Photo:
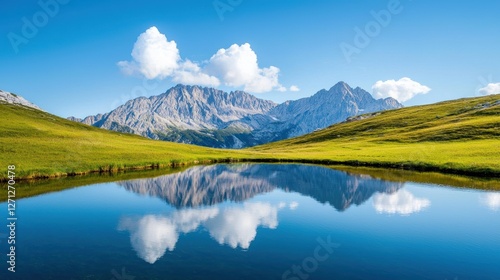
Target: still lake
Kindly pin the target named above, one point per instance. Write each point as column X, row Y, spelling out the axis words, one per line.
column 257, row 221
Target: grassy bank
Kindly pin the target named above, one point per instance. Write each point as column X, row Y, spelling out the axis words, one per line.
column 434, row 178
column 43, row 145
column 29, row 188
column 460, row 136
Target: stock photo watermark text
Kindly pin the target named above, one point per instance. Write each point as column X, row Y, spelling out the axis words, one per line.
column 224, row 6
column 11, row 218
column 310, row 264
column 364, row 36
column 32, row 25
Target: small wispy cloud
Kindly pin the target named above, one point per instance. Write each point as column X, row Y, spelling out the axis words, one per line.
column 491, row 88
column 491, row 200
column 293, row 205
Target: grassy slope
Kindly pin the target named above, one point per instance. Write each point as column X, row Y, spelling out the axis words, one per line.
column 454, row 136
column 41, row 144
column 458, row 136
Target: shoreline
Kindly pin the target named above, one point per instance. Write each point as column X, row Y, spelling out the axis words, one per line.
column 407, row 166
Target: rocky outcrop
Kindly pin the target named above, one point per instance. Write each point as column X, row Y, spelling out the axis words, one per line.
column 15, row 99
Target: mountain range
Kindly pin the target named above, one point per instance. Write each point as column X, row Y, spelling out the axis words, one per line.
column 455, row 136
column 214, row 118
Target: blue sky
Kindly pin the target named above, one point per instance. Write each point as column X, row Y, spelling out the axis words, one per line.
column 68, row 65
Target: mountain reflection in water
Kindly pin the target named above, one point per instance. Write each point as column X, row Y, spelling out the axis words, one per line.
column 210, row 185
column 198, row 191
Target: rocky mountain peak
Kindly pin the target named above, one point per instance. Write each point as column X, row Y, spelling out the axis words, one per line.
column 211, row 117
column 15, row 99
column 341, row 87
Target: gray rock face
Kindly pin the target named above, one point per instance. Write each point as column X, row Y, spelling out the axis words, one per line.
column 325, row 108
column 12, row 98
column 181, row 108
column 210, row 117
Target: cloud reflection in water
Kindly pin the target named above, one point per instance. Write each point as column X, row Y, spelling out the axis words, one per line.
column 236, row 226
column 491, row 200
column 402, row 202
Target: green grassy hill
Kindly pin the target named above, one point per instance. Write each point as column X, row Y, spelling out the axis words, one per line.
column 41, row 144
column 459, row 136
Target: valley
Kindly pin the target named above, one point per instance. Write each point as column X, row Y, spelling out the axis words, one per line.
column 459, row 136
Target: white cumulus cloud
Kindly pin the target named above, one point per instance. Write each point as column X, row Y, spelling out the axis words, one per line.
column 154, row 57
column 491, row 88
column 402, row 202
column 191, row 73
column 294, row 88
column 402, row 90
column 237, row 66
column 492, row 200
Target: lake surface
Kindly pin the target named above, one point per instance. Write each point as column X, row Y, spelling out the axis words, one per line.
column 257, row 221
